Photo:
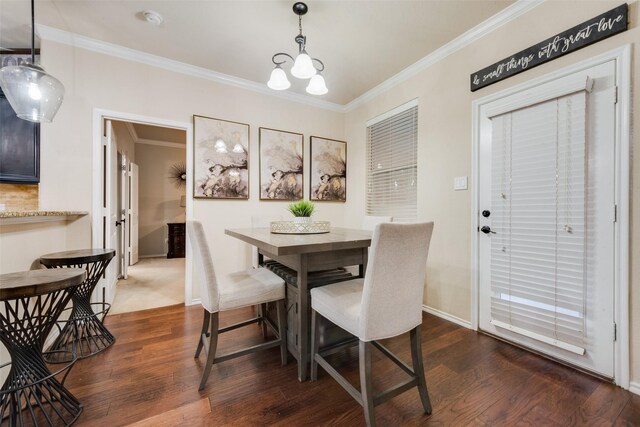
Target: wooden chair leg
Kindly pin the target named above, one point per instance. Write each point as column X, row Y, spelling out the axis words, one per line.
column 213, row 344
column 315, row 343
column 263, row 313
column 366, row 388
column 282, row 331
column 418, row 367
column 205, row 328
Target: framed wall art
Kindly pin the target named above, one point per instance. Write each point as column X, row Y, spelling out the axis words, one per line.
column 328, row 170
column 281, row 170
column 221, row 159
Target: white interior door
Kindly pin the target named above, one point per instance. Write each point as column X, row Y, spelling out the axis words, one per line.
column 547, row 214
column 133, row 213
column 123, row 209
column 111, row 210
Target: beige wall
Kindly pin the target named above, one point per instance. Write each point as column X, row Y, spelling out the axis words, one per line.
column 444, row 145
column 159, row 198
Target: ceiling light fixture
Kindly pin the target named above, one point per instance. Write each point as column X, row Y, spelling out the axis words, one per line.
column 303, row 64
column 32, row 93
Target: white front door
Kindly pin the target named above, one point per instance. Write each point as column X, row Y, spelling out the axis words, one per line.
column 546, row 219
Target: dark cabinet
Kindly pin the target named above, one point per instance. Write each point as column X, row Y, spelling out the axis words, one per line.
column 177, row 240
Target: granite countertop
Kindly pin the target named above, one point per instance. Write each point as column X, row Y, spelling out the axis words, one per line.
column 24, row 214
column 8, row 218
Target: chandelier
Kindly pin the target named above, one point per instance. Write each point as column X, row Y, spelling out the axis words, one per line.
column 32, row 93
column 303, row 65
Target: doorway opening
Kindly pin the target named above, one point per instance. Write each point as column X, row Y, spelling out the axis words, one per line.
column 140, row 209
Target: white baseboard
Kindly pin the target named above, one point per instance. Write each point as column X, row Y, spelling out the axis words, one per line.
column 152, row 256
column 447, row 316
column 634, row 387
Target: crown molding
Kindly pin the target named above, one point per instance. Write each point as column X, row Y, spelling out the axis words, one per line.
column 501, row 18
column 88, row 43
column 161, row 143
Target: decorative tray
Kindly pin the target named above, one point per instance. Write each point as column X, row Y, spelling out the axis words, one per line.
column 290, row 227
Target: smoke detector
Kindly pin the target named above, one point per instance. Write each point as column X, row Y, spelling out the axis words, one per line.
column 152, row 17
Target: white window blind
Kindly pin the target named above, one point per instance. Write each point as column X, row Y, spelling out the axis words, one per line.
column 538, row 254
column 392, row 146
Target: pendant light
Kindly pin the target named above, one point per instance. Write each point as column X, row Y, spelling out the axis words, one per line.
column 303, row 65
column 32, row 93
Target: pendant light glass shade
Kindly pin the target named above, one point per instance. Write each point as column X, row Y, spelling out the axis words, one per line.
column 278, row 80
column 32, row 93
column 303, row 66
column 317, row 86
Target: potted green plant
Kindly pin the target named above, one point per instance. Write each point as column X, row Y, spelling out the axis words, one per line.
column 301, row 211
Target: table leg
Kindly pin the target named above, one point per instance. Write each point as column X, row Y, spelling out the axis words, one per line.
column 303, row 322
column 362, row 268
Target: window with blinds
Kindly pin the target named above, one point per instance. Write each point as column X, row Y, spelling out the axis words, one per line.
column 538, row 254
column 392, row 145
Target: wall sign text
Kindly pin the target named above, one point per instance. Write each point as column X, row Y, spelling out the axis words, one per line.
column 591, row 31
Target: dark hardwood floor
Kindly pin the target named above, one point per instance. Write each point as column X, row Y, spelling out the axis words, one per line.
column 149, row 377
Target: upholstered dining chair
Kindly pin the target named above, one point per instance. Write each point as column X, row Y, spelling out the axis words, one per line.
column 369, row 222
column 385, row 304
column 228, row 292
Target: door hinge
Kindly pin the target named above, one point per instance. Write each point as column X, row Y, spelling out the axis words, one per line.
column 615, row 213
column 615, row 331
column 615, row 94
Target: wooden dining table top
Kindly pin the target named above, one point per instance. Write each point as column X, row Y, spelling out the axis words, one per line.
column 291, row 244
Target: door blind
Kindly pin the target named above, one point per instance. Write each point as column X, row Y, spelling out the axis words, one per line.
column 539, row 196
column 392, row 166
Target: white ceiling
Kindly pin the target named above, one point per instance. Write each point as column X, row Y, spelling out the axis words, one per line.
column 362, row 43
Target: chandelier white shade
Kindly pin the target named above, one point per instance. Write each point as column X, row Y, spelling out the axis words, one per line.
column 278, row 80
column 32, row 93
column 304, row 67
column 317, row 86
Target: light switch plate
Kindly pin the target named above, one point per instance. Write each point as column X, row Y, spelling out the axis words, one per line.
column 460, row 183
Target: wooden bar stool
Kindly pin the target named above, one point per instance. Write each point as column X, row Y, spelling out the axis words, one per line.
column 83, row 332
column 31, row 303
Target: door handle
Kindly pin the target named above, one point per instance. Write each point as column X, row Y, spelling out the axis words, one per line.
column 118, row 223
column 486, row 230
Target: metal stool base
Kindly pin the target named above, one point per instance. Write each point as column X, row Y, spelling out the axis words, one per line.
column 83, row 334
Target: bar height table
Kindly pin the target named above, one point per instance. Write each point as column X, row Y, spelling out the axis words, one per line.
column 31, row 303
column 307, row 253
column 83, row 333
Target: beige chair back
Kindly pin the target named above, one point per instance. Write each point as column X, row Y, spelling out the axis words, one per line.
column 204, row 272
column 369, row 222
column 394, row 280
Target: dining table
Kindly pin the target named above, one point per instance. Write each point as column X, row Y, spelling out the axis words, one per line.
column 306, row 254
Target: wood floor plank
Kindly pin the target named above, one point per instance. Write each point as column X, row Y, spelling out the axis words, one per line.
column 150, row 377
column 190, row 414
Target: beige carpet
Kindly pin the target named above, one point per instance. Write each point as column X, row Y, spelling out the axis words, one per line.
column 152, row 282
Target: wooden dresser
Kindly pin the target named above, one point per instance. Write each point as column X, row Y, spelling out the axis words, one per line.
column 177, row 240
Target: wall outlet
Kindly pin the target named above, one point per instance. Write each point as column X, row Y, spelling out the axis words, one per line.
column 460, row 183
column 2, row 206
